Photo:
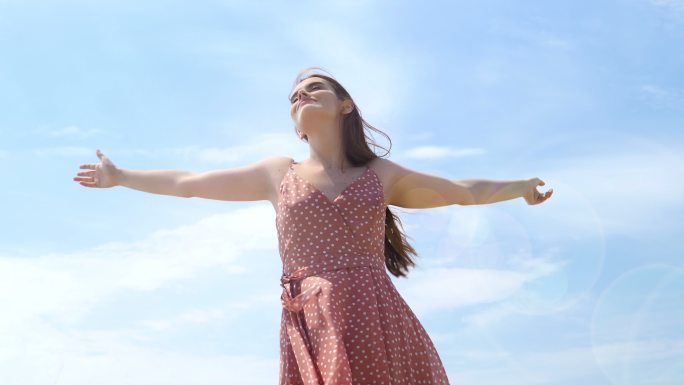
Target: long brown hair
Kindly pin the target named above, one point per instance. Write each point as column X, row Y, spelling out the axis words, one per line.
column 357, row 150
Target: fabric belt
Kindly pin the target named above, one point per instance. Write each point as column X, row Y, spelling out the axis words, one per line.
column 297, row 303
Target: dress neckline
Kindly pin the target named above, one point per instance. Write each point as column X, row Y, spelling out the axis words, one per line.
column 340, row 195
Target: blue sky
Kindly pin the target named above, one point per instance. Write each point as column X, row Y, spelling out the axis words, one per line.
column 121, row 287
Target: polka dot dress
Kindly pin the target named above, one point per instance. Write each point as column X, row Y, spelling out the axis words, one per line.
column 343, row 321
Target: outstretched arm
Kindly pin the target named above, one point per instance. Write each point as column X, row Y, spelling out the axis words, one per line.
column 413, row 189
column 106, row 175
column 491, row 191
column 246, row 183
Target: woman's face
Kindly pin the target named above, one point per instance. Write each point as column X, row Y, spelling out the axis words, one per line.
column 314, row 102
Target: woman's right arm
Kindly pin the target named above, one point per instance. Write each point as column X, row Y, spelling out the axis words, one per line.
column 165, row 182
column 105, row 175
column 252, row 182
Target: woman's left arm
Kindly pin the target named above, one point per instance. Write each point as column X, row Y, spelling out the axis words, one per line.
column 413, row 189
column 491, row 191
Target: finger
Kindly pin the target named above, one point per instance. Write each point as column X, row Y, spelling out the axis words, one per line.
column 88, row 184
column 91, row 166
column 84, row 178
column 86, row 173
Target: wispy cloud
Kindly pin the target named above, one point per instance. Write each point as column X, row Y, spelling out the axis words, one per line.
column 435, row 289
column 588, row 363
column 389, row 75
column 262, row 146
column 66, row 286
column 74, row 132
column 192, row 316
column 437, row 152
column 538, row 35
column 662, row 98
column 602, row 184
column 673, row 7
column 47, row 355
column 48, row 296
column 63, row 151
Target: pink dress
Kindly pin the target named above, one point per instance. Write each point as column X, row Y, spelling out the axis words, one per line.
column 343, row 321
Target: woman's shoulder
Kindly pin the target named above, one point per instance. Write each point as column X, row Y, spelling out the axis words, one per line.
column 277, row 162
column 382, row 166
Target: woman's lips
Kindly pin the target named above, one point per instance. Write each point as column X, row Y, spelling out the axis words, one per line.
column 305, row 101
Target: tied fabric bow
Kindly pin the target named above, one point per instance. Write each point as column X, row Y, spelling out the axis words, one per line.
column 296, row 304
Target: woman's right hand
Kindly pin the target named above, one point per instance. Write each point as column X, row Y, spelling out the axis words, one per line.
column 104, row 174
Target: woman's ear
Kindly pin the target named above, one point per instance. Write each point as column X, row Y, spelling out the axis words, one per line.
column 347, row 106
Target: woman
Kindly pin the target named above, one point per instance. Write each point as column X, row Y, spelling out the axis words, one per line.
column 343, row 321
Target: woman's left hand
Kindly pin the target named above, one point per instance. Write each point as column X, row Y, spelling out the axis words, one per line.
column 531, row 195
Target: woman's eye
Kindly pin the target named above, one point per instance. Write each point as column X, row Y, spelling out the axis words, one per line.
column 294, row 98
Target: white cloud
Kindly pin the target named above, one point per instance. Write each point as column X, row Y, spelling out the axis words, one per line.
column 434, row 289
column 193, row 316
column 673, row 7
column 440, row 288
column 74, row 131
column 48, row 355
column 660, row 97
column 46, row 298
column 230, row 311
column 606, row 183
column 627, row 192
column 380, row 79
column 574, row 363
column 488, row 317
column 531, row 34
column 66, row 285
column 65, row 151
column 263, row 145
column 436, row 152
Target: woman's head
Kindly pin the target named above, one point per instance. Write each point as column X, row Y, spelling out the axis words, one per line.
column 318, row 103
column 332, row 108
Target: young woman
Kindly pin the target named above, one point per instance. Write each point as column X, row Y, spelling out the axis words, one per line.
column 343, row 321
